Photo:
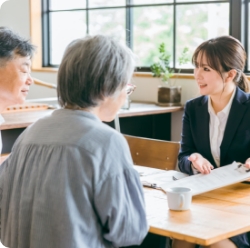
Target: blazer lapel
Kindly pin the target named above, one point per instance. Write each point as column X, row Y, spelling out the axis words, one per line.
column 236, row 114
column 202, row 126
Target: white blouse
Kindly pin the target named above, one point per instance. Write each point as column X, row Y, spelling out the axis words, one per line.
column 217, row 127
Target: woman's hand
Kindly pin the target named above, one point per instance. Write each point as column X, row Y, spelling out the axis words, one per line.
column 201, row 164
column 247, row 163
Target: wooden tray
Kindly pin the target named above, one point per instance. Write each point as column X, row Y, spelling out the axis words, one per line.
column 26, row 107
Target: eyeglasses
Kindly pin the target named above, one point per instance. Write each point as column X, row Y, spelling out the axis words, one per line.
column 130, row 88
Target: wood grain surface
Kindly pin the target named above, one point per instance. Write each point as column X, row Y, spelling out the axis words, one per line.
column 214, row 216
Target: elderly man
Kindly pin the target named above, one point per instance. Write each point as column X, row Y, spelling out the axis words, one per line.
column 15, row 62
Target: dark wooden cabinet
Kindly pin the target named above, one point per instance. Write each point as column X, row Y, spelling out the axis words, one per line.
column 9, row 137
column 156, row 126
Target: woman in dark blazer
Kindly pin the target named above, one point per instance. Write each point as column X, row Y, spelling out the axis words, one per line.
column 216, row 125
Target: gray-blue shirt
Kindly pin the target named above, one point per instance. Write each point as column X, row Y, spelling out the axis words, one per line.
column 69, row 183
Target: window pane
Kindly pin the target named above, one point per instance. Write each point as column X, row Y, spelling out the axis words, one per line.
column 151, row 1
column 211, row 20
column 65, row 27
column 70, row 4
column 106, row 3
column 108, row 22
column 152, row 26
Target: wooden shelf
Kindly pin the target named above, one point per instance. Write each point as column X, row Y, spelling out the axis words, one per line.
column 22, row 119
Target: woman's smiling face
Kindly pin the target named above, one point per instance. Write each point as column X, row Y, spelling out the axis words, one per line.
column 209, row 80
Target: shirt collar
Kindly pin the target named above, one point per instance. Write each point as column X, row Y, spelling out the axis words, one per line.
column 210, row 108
column 227, row 108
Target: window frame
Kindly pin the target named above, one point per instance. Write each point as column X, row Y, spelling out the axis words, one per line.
column 238, row 26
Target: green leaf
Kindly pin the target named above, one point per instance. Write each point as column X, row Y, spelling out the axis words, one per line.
column 162, row 67
column 183, row 59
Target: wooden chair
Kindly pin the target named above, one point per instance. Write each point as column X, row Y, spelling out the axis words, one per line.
column 153, row 153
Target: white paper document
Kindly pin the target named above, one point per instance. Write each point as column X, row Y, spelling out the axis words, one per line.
column 218, row 178
column 154, row 178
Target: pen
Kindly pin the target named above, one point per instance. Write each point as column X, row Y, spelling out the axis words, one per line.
column 149, row 185
column 248, row 170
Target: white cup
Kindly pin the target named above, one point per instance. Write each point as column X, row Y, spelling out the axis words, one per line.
column 179, row 198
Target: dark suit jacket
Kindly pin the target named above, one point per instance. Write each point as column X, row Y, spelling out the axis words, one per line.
column 235, row 144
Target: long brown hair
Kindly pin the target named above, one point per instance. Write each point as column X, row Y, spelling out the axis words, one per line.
column 223, row 54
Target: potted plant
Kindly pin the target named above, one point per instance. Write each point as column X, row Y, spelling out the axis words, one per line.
column 168, row 93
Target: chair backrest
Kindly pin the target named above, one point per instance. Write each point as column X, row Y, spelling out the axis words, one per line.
column 153, row 153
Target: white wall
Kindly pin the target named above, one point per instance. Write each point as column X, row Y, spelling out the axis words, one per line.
column 147, row 91
column 15, row 14
column 147, row 88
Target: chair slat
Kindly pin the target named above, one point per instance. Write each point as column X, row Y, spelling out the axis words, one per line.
column 153, row 153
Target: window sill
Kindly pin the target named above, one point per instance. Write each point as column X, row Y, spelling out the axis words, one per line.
column 44, row 69
column 149, row 74
column 136, row 74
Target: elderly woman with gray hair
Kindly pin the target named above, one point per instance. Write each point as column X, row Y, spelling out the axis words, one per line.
column 69, row 181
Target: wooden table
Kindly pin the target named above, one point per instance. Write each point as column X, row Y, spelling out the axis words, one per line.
column 142, row 109
column 214, row 216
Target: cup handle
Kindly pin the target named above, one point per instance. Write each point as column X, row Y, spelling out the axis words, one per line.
column 181, row 201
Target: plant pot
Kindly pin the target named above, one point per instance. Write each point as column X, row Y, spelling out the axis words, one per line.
column 169, row 96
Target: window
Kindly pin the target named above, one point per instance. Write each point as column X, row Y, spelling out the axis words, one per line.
column 142, row 24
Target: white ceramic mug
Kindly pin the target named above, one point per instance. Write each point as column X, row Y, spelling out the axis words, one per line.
column 179, row 198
